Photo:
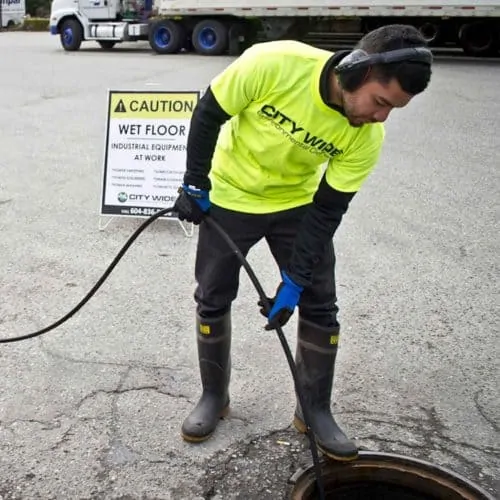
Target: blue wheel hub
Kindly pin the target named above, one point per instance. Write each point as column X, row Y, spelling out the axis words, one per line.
column 162, row 37
column 67, row 36
column 207, row 38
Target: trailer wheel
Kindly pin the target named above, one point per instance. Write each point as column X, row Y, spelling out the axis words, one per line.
column 71, row 34
column 106, row 44
column 431, row 32
column 166, row 37
column 478, row 39
column 210, row 37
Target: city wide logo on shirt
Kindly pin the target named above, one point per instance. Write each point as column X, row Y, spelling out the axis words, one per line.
column 297, row 134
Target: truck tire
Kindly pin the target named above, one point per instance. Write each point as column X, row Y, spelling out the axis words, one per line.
column 210, row 37
column 106, row 44
column 478, row 39
column 431, row 32
column 166, row 37
column 71, row 34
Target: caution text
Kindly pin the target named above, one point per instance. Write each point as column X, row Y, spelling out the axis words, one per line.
column 162, row 106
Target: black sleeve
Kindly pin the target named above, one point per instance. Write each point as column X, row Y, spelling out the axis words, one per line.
column 317, row 229
column 207, row 119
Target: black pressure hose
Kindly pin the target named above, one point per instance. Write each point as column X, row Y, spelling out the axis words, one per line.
column 208, row 220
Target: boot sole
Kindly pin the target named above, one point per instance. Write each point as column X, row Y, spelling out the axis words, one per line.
column 199, row 439
column 301, row 427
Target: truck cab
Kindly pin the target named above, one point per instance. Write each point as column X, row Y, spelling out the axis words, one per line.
column 106, row 22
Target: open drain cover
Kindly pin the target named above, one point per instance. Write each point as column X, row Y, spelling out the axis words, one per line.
column 385, row 476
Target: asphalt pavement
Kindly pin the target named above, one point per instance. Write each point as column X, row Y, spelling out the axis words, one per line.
column 93, row 409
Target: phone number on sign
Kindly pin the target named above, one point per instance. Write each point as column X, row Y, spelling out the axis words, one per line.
column 141, row 211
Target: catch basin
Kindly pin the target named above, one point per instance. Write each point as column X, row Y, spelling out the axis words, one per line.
column 385, row 476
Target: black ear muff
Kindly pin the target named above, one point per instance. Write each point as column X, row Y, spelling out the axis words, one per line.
column 353, row 69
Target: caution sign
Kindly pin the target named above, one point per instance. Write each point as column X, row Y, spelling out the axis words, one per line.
column 145, row 153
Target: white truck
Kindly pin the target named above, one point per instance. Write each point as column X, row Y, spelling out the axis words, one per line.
column 12, row 12
column 223, row 26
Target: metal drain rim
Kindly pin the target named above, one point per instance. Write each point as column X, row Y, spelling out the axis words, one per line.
column 387, row 463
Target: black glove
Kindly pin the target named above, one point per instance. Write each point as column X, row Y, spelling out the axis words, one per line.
column 192, row 204
column 283, row 304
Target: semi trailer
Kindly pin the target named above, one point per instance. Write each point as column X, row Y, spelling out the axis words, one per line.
column 227, row 27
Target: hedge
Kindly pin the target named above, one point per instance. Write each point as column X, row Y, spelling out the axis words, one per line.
column 35, row 24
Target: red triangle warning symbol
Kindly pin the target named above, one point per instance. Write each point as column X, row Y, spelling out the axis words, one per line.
column 120, row 107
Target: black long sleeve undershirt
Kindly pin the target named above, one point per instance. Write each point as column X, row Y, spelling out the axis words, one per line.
column 322, row 218
column 208, row 117
column 317, row 228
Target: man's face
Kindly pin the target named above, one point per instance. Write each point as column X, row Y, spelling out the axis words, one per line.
column 373, row 102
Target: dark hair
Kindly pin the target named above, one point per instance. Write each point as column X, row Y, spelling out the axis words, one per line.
column 412, row 76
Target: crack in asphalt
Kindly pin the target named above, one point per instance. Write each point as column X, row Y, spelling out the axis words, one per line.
column 117, row 453
column 46, row 424
column 432, row 429
column 120, row 390
column 482, row 411
column 105, row 475
column 145, row 366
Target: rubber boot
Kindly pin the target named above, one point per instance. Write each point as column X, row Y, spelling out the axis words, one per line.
column 214, row 344
column 315, row 361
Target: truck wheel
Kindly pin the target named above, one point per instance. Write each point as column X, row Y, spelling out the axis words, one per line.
column 166, row 37
column 210, row 37
column 478, row 39
column 71, row 34
column 431, row 32
column 106, row 44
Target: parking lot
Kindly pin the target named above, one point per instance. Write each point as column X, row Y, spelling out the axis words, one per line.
column 93, row 409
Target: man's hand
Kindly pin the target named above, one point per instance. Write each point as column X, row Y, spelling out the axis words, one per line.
column 283, row 304
column 192, row 204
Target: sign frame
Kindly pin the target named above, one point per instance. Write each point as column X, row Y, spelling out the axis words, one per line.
column 110, row 211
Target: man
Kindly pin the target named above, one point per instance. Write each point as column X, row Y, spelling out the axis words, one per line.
column 278, row 146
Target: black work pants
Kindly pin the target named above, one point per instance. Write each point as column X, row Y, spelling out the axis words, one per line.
column 217, row 267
